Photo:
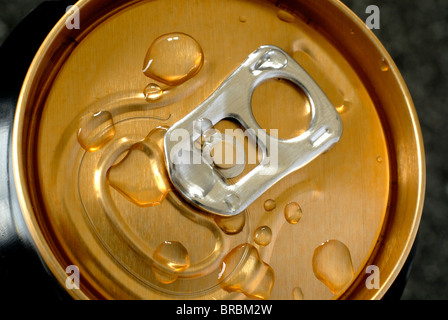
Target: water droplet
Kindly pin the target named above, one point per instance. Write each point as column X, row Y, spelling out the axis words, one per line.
column 152, row 92
column 297, row 294
column 201, row 126
column 202, row 131
column 231, row 225
column 273, row 59
column 379, row 159
column 269, row 205
column 95, row 130
column 141, row 175
column 293, row 212
column 332, row 265
column 263, row 236
column 163, row 276
column 172, row 255
column 344, row 106
column 341, row 108
column 173, row 59
column 208, row 137
column 384, row 65
column 243, row 18
column 251, row 276
column 285, row 16
column 170, row 258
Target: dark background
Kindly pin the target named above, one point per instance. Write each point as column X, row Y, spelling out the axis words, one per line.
column 415, row 33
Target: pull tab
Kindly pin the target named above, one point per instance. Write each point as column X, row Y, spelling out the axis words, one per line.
column 189, row 141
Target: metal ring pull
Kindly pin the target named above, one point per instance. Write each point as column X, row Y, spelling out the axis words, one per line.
column 200, row 182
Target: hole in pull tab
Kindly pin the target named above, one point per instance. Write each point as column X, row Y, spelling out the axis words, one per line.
column 279, row 104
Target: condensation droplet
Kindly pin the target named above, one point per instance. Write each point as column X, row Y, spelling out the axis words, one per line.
column 251, row 276
column 243, row 18
column 163, row 276
column 152, row 92
column 231, row 225
column 201, row 126
column 269, row 205
column 173, row 58
column 172, row 255
column 95, row 130
column 285, row 16
column 332, row 265
column 263, row 236
column 344, row 106
column 293, row 212
column 273, row 59
column 170, row 258
column 379, row 159
column 141, row 175
column 384, row 65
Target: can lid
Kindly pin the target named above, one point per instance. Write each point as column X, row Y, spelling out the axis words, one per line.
column 89, row 153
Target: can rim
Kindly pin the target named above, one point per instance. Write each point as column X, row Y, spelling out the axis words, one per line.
column 416, row 128
column 44, row 249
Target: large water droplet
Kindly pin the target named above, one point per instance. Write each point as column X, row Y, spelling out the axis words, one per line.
column 141, row 176
column 173, row 59
column 251, row 276
column 170, row 258
column 332, row 265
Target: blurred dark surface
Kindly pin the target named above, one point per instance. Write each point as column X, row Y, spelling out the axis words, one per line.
column 22, row 274
column 415, row 34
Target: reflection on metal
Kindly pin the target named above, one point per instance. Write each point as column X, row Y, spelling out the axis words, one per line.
column 280, row 157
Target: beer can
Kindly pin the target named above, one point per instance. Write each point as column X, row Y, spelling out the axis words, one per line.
column 123, row 97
